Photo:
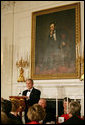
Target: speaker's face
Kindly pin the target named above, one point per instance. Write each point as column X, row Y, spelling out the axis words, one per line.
column 29, row 84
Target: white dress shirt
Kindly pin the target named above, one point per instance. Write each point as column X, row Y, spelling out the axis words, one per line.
column 28, row 93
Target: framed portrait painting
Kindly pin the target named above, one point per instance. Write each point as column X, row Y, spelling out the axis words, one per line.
column 55, row 46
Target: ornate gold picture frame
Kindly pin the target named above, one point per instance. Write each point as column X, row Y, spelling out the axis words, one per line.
column 55, row 46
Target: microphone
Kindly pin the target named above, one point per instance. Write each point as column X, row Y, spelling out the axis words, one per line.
column 19, row 94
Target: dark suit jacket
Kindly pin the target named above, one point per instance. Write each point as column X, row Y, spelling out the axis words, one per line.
column 74, row 120
column 34, row 96
column 15, row 119
column 50, row 115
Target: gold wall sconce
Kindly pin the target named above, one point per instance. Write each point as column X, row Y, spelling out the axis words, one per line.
column 21, row 64
column 82, row 69
column 82, row 77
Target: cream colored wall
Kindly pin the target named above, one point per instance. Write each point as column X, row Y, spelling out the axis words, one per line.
column 16, row 43
column 6, row 50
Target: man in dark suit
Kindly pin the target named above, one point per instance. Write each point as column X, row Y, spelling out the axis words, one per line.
column 50, row 115
column 33, row 96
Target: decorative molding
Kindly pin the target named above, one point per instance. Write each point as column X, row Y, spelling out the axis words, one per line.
column 7, row 4
column 52, row 84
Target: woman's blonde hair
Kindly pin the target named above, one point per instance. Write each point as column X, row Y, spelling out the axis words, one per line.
column 36, row 113
column 74, row 108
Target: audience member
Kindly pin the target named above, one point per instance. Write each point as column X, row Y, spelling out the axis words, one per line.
column 74, row 109
column 50, row 117
column 66, row 102
column 32, row 94
column 42, row 102
column 6, row 107
column 14, row 111
column 2, row 99
column 36, row 114
column 4, row 118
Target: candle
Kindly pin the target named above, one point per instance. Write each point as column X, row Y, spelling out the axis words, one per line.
column 56, row 106
column 17, row 56
column 67, row 105
column 27, row 55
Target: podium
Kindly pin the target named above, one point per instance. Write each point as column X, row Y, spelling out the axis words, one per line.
column 21, row 100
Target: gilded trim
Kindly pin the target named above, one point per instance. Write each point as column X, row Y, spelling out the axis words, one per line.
column 76, row 75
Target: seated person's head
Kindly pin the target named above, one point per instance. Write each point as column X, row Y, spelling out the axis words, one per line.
column 36, row 113
column 66, row 101
column 42, row 102
column 15, row 105
column 74, row 108
column 6, row 106
column 2, row 99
